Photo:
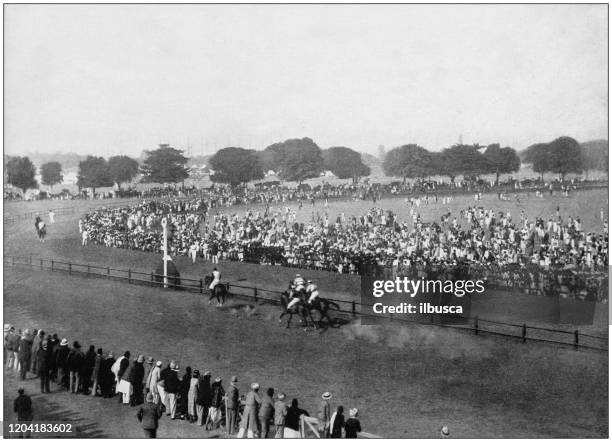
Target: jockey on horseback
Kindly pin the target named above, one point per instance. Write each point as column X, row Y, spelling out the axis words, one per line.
column 216, row 275
column 311, row 290
column 297, row 290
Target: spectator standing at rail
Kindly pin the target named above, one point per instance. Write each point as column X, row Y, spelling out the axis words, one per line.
column 36, row 343
column 248, row 424
column 147, row 375
column 172, row 384
column 153, row 380
column 337, row 423
column 233, row 398
column 266, row 413
column 292, row 420
column 89, row 363
column 53, row 344
column 192, row 414
column 203, row 398
column 280, row 413
column 96, row 373
column 11, row 341
column 324, row 414
column 135, row 379
column 107, row 376
column 352, row 425
column 43, row 359
column 61, row 362
column 75, row 362
column 148, row 416
column 216, row 402
column 24, row 353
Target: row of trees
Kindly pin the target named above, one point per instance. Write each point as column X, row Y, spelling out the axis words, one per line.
column 21, row 173
column 293, row 160
column 413, row 161
column 301, row 159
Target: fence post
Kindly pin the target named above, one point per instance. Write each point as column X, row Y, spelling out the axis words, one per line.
column 108, row 273
column 255, row 294
column 353, row 308
column 88, row 270
column 576, row 339
column 70, row 268
column 41, row 264
column 476, row 325
column 129, row 276
column 51, row 265
column 201, row 286
column 524, row 332
column 152, row 279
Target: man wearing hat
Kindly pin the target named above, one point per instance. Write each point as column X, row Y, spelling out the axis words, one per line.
column 232, row 403
column 152, row 380
column 248, row 424
column 324, row 414
column 280, row 413
column 171, row 385
column 148, row 416
column 61, row 362
column 43, row 357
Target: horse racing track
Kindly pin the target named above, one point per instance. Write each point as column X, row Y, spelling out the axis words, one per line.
column 407, row 380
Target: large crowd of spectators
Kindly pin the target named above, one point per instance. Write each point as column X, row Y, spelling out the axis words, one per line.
column 192, row 395
column 480, row 238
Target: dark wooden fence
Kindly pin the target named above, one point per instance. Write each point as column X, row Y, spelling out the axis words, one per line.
column 348, row 310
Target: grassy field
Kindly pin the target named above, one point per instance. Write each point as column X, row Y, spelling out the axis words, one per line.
column 479, row 386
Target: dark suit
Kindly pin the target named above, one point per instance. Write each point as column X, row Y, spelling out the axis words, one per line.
column 149, row 415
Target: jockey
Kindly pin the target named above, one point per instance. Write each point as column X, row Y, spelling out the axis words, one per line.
column 295, row 299
column 310, row 287
column 314, row 294
column 300, row 283
column 216, row 274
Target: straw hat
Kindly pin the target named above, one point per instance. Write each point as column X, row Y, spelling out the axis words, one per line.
column 254, row 386
column 281, row 396
column 444, row 432
column 140, row 359
column 327, row 395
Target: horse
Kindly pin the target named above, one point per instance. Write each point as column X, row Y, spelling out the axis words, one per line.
column 41, row 230
column 323, row 306
column 219, row 292
column 298, row 309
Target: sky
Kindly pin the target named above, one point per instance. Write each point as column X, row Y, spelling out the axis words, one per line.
column 111, row 79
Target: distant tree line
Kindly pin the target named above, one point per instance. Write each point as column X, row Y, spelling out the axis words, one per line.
column 300, row 159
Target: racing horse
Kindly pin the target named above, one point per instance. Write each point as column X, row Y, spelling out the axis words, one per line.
column 298, row 309
column 323, row 306
column 219, row 292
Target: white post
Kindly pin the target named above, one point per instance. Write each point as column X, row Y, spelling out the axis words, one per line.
column 164, row 224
